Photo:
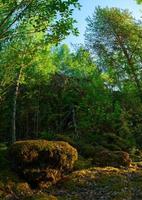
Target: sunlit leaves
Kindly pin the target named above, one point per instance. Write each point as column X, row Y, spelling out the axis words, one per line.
column 52, row 17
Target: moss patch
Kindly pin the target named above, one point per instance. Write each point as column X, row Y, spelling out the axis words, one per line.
column 101, row 183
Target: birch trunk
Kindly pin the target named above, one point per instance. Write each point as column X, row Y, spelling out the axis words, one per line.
column 15, row 105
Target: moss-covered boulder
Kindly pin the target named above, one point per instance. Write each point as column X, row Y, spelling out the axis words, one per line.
column 42, row 161
column 111, row 158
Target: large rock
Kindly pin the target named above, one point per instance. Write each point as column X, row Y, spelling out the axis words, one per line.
column 111, row 158
column 42, row 161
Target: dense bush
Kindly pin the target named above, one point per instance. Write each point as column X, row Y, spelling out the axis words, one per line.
column 85, row 150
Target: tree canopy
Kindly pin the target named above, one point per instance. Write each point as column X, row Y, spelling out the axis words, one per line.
column 114, row 37
column 54, row 18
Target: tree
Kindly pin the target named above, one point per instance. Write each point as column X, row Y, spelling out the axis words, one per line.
column 114, row 37
column 54, row 18
column 25, row 51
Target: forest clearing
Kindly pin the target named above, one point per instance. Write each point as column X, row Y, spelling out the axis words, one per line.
column 70, row 115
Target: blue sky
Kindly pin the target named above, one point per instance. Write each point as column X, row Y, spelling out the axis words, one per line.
column 87, row 9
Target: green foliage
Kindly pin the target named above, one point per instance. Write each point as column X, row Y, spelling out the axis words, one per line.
column 139, row 1
column 113, row 35
column 54, row 18
column 80, row 106
column 47, row 136
column 85, row 149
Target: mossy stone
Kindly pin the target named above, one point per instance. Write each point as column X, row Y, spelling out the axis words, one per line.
column 41, row 160
column 111, row 158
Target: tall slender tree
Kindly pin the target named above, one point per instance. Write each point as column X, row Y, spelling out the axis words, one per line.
column 114, row 37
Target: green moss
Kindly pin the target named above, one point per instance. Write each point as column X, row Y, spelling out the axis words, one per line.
column 43, row 152
column 82, row 163
column 113, row 183
column 42, row 197
column 67, row 197
column 42, row 161
column 116, row 182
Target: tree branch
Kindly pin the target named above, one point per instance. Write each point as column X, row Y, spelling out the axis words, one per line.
column 10, row 14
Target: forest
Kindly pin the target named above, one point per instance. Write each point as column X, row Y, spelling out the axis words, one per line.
column 70, row 119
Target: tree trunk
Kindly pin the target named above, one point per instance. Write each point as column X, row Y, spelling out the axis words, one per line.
column 15, row 105
column 74, row 121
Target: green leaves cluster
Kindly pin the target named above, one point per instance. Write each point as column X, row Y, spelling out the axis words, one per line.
column 54, row 18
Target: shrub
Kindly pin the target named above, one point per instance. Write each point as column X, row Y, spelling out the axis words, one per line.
column 112, row 142
column 85, row 150
column 136, row 155
column 47, row 136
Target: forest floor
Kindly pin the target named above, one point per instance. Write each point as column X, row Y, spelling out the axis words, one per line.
column 94, row 183
column 101, row 184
